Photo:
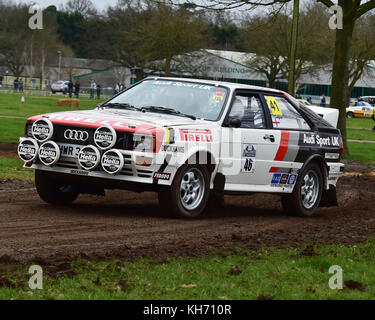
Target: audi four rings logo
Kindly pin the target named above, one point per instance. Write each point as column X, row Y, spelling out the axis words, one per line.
column 76, row 135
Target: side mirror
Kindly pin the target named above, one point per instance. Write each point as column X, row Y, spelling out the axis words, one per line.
column 235, row 123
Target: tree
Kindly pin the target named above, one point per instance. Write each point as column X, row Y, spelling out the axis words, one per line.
column 352, row 11
column 223, row 33
column 269, row 38
column 136, row 33
column 169, row 32
column 266, row 38
column 70, row 27
column 117, row 41
column 84, row 7
column 41, row 49
column 362, row 51
column 13, row 33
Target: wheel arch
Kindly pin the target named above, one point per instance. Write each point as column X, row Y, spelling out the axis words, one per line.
column 196, row 156
column 320, row 161
column 199, row 155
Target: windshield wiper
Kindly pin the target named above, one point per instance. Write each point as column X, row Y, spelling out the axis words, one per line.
column 167, row 111
column 117, row 105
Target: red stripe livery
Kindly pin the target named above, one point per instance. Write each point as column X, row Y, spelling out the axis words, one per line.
column 283, row 149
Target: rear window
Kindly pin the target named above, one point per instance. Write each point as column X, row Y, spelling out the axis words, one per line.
column 284, row 115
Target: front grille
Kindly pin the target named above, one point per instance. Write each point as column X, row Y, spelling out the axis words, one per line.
column 124, row 139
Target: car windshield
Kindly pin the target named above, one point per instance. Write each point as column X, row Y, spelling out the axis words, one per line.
column 188, row 98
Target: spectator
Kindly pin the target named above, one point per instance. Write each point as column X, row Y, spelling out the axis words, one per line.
column 117, row 88
column 20, row 85
column 309, row 99
column 70, row 88
column 15, row 85
column 121, row 87
column 77, row 88
column 92, row 89
column 323, row 101
column 98, row 91
column 1, row 80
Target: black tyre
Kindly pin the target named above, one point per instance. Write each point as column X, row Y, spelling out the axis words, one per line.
column 350, row 114
column 53, row 92
column 307, row 193
column 53, row 191
column 188, row 195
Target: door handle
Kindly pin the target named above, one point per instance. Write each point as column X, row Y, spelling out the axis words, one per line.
column 269, row 137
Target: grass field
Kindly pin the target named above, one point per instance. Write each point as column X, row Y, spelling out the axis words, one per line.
column 280, row 274
column 360, row 123
column 362, row 152
column 361, row 129
column 13, row 129
column 10, row 105
column 13, row 168
column 361, row 134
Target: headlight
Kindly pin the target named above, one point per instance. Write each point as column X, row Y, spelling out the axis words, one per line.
column 143, row 142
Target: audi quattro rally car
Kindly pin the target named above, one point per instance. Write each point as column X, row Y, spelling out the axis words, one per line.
column 191, row 141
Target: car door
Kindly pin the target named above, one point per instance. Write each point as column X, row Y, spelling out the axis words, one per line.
column 295, row 143
column 248, row 146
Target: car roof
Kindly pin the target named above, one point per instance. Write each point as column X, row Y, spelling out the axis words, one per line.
column 230, row 85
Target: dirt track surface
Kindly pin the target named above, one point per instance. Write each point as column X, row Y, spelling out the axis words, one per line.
column 126, row 225
column 8, row 150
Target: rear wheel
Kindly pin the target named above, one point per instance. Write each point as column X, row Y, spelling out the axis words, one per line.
column 53, row 191
column 350, row 114
column 188, row 195
column 307, row 193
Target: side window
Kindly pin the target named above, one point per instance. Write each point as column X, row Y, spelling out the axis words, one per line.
column 284, row 115
column 248, row 108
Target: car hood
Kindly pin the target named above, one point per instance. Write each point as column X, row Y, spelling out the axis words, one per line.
column 118, row 119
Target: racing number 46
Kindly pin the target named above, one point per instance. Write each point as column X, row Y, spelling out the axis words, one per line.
column 248, row 166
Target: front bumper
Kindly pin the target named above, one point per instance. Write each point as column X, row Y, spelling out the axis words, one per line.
column 131, row 172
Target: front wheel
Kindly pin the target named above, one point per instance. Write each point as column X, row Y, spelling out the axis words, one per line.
column 188, row 195
column 350, row 114
column 307, row 193
column 53, row 191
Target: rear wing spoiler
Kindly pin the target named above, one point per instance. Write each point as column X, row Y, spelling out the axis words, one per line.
column 331, row 115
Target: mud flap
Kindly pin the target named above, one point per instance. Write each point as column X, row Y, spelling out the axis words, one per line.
column 329, row 198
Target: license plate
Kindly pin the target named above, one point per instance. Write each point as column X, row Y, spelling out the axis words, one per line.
column 69, row 150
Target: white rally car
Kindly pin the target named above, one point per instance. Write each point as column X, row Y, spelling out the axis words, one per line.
column 191, row 141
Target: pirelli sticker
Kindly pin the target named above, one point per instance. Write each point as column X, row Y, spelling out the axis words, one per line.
column 274, row 106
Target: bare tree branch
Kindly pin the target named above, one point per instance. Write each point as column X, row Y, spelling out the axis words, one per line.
column 364, row 8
